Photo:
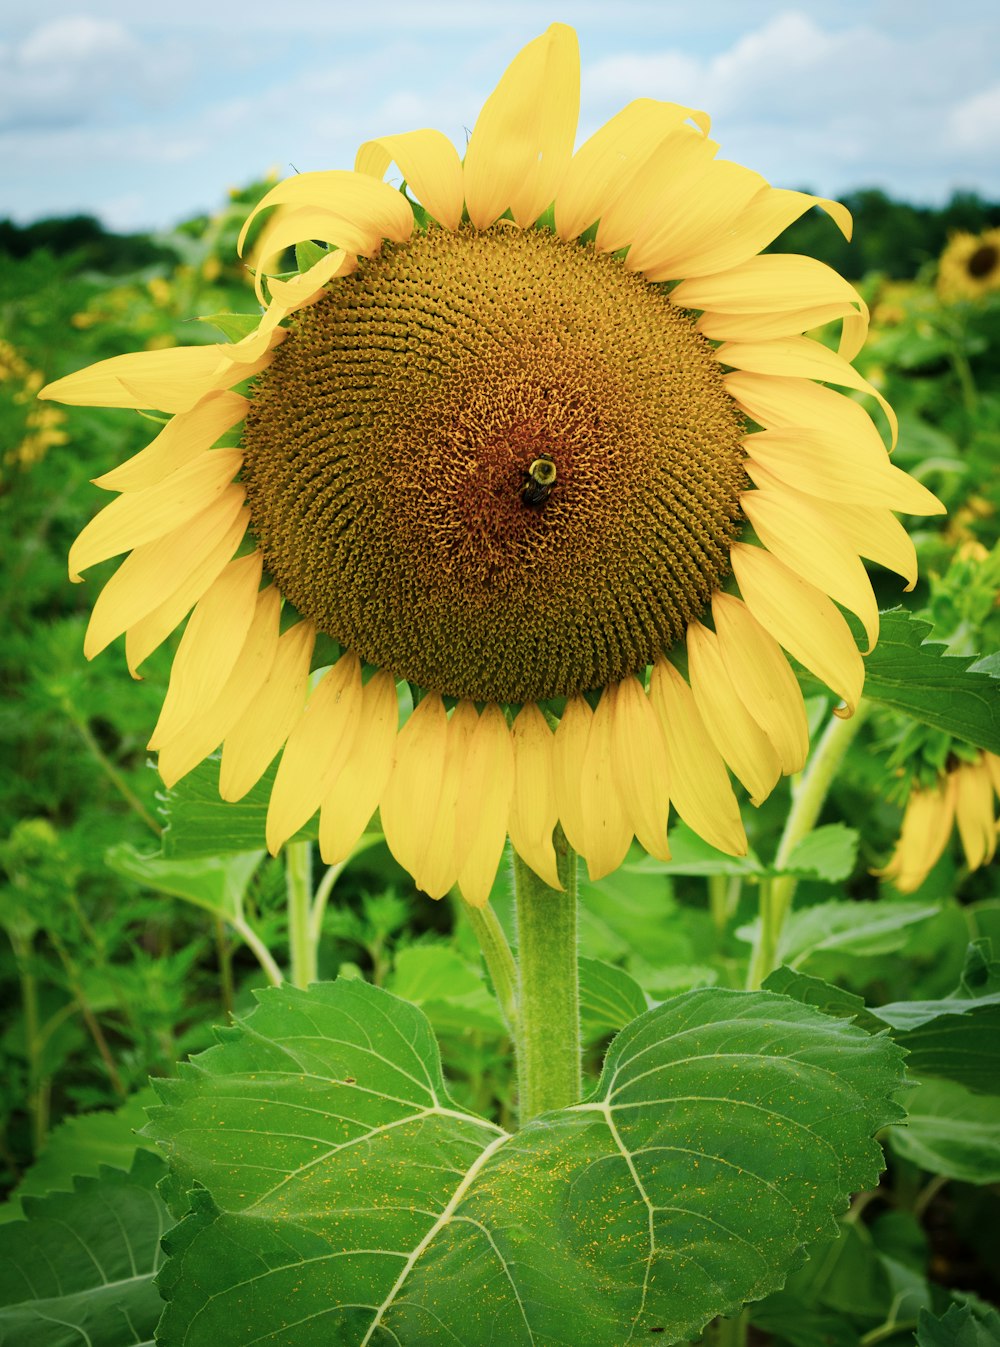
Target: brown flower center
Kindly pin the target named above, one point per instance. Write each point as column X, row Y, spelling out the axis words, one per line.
column 498, row 465
column 983, row 261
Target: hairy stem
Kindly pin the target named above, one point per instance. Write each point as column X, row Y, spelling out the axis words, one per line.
column 548, row 1013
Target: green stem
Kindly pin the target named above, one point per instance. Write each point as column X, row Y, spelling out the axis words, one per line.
column 499, row 959
column 808, row 798
column 548, row 1018
column 261, row 952
column 323, row 890
column 224, row 955
column 298, row 882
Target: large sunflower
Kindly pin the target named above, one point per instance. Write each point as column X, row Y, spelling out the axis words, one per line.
column 509, row 446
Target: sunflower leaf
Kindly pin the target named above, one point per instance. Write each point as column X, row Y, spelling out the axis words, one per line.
column 959, row 1327
column 200, row 823
column 916, row 676
column 951, row 1131
column 80, row 1268
column 340, row 1195
column 216, row 883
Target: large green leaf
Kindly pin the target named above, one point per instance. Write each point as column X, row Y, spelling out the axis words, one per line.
column 959, row 1327
column 80, row 1269
column 863, row 929
column 347, row 1200
column 609, row 999
column 200, row 823
column 216, row 883
column 914, row 675
column 951, row 1131
column 451, row 993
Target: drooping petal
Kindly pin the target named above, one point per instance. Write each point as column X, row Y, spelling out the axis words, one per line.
column 368, row 208
column 878, row 535
column 763, row 679
column 923, row 837
column 801, row 618
column 802, row 358
column 484, row 805
column 210, row 646
column 776, row 402
column 154, row 572
column 974, row 813
column 754, row 327
column 606, row 163
column 254, row 739
column 171, row 380
column 289, row 227
column 352, row 799
column 570, row 750
column 430, row 164
column 835, row 468
column 316, row 750
column 608, row 831
column 794, row 531
column 707, row 202
column 438, row 870
column 412, row 794
column 533, row 803
column 765, row 216
column 639, row 767
column 735, row 733
column 143, row 516
column 182, row 439
column 522, row 141
column 204, row 732
column 299, row 291
column 699, row 782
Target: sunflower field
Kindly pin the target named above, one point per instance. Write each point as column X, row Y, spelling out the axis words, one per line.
column 420, row 1016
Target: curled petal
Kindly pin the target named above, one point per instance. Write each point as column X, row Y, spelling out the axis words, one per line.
column 571, row 737
column 639, row 767
column 351, row 801
column 484, row 805
column 608, row 831
column 366, row 206
column 412, row 795
column 977, row 826
column 430, row 164
column 182, row 439
column 533, row 802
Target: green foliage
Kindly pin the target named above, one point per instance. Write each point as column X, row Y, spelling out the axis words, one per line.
column 396, row 1217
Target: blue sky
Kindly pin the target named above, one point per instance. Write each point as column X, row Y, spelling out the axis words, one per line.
column 146, row 114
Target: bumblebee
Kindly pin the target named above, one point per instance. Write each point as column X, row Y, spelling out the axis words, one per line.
column 539, row 481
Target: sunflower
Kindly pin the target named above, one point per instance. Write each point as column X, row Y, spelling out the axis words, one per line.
column 963, row 795
column 511, row 443
column 969, row 267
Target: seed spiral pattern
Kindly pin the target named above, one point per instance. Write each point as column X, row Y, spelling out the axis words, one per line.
column 387, row 447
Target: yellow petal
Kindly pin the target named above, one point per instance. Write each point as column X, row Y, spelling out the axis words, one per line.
column 367, row 207
column 797, row 533
column 697, row 205
column 762, row 678
column 801, row 358
column 438, row 869
column 308, row 286
column 801, row 618
column 735, row 733
column 569, row 751
column 316, row 750
column 484, row 806
column 832, row 467
column 204, row 732
column 153, row 573
column 290, row 227
column 923, row 837
column 522, row 141
column 608, row 831
column 252, row 742
column 878, row 535
column 718, row 326
column 533, row 802
column 606, row 164
column 639, row 767
column 677, row 165
column 430, row 165
column 699, row 782
column 144, row 636
column 143, row 516
column 780, row 403
column 412, row 794
column 352, row 799
column 182, row 439
column 770, row 212
column 993, row 767
column 210, row 646
column 172, row 380
column 974, row 813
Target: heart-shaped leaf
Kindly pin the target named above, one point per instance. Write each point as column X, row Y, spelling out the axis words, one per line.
column 349, row 1201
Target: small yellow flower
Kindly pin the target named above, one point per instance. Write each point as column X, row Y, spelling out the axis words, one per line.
column 608, row 313
column 963, row 795
column 970, row 266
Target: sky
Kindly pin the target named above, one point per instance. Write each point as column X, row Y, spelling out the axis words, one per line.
column 144, row 115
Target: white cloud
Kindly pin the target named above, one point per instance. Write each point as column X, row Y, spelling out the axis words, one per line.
column 975, row 122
